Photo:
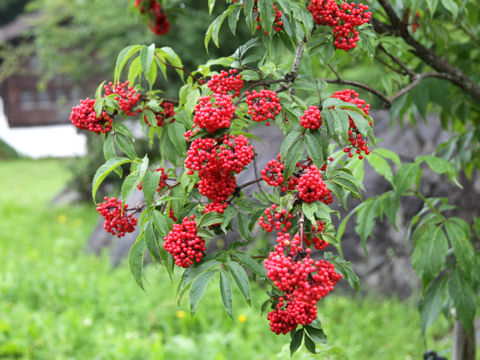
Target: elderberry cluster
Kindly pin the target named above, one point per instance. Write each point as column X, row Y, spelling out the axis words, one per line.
column 116, row 223
column 273, row 219
column 226, row 83
column 184, row 244
column 216, row 160
column 214, row 115
column 158, row 22
column 311, row 187
column 311, row 118
column 343, row 19
column 84, row 117
column 317, row 241
column 263, row 105
column 125, row 95
column 303, row 281
column 356, row 140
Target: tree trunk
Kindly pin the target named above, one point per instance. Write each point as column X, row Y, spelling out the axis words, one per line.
column 463, row 343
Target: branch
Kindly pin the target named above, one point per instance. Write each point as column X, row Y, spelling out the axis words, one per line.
column 295, row 66
column 177, row 67
column 456, row 76
column 396, row 60
column 249, row 183
column 362, row 86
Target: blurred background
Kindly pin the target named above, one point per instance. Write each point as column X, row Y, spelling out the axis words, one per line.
column 65, row 289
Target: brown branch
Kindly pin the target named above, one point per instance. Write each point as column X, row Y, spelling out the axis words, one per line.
column 177, row 67
column 441, row 65
column 292, row 76
column 406, row 69
column 249, row 183
column 258, row 83
column 255, row 169
column 360, row 85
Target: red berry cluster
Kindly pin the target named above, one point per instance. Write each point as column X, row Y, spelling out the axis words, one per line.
column 218, row 207
column 126, row 96
column 273, row 219
column 318, row 242
column 311, row 187
column 167, row 112
column 226, row 82
column 161, row 182
column 277, row 23
column 84, row 117
column 272, row 174
column 343, row 19
column 184, row 244
column 158, row 22
column 311, row 118
column 303, row 280
column 115, row 222
column 216, row 160
column 356, row 140
column 214, row 115
column 263, row 105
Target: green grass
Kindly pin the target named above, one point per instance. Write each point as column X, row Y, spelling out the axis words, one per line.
column 57, row 302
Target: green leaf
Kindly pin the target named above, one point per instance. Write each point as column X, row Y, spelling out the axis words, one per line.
column 309, row 211
column 175, row 133
column 314, row 150
column 194, row 271
column 288, row 142
column 429, row 255
column 316, row 334
column 248, row 206
column 150, row 184
column 126, row 145
column 209, row 219
column 211, row 5
column 160, row 222
column 458, row 232
column 151, row 241
column 451, row 6
column 135, row 261
column 389, row 154
column 233, row 19
column 198, row 288
column 241, row 279
column 381, row 166
column 440, row 166
column 228, row 215
column 246, row 260
column 129, row 185
column 464, row 298
column 366, row 219
column 122, row 129
column 134, row 71
column 267, row 15
column 297, row 337
column 310, row 345
column 431, row 303
column 405, row 178
column 122, row 59
column 106, row 169
column 293, row 156
column 242, row 225
column 432, row 6
column 146, row 58
column 109, row 147
column 226, row 292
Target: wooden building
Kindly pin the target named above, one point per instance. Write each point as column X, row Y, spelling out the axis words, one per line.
column 23, row 103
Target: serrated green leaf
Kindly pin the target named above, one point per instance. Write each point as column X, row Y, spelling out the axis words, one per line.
column 381, row 166
column 267, row 15
column 246, row 260
column 314, row 150
column 431, row 303
column 464, row 298
column 233, row 18
column 405, row 178
column 293, row 156
column 429, row 254
column 366, row 219
column 146, row 58
column 160, row 222
column 122, row 59
column 108, row 147
column 226, row 292
column 458, row 232
column 150, row 239
column 135, row 261
column 310, row 345
column 209, row 219
column 198, row 288
column 175, row 133
column 106, row 169
column 241, row 279
column 126, row 145
column 316, row 334
column 228, row 215
column 150, row 184
column 288, row 142
column 451, row 6
column 242, row 225
column 296, row 341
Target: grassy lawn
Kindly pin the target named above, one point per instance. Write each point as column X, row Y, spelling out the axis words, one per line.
column 57, row 302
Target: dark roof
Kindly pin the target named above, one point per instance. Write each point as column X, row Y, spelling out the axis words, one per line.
column 17, row 27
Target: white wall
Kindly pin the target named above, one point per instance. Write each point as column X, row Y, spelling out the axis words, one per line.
column 41, row 141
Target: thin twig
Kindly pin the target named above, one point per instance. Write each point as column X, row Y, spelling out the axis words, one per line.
column 397, row 61
column 177, row 67
column 301, row 224
column 295, row 66
column 249, row 183
column 360, row 85
column 255, row 168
